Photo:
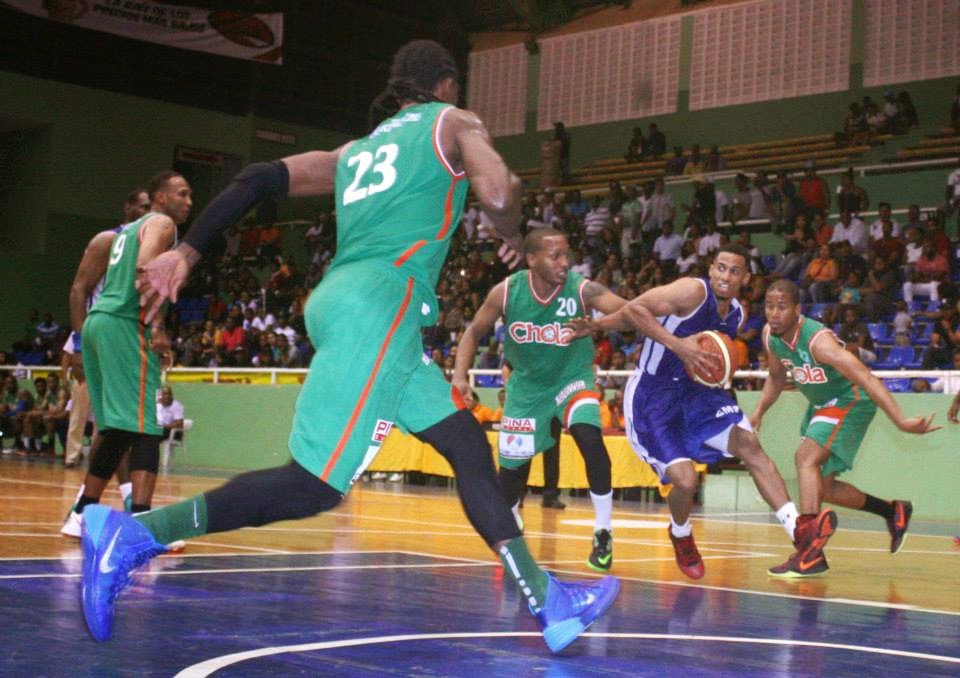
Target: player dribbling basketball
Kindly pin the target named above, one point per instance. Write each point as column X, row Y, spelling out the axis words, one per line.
column 672, row 421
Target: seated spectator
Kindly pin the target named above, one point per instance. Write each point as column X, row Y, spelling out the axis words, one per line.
column 877, row 121
column 615, row 410
column 884, row 217
column 491, row 358
column 856, row 335
column 879, row 289
column 288, row 354
column 709, row 242
column 950, row 384
column 851, row 197
column 659, row 209
column 934, row 232
column 889, row 247
column 790, row 265
column 902, row 320
column 759, row 197
column 29, row 421
column 577, row 206
column 9, row 391
column 688, row 258
column 231, row 336
column 656, row 142
column 57, row 418
column 820, row 279
column 23, row 406
column 667, row 247
column 675, row 165
column 849, row 294
column 781, row 202
column 597, row 219
column 169, row 412
column 930, row 270
column 854, row 131
column 813, row 192
column 48, row 329
column 264, row 320
column 636, row 147
column 695, row 162
column 713, row 161
column 936, row 356
column 918, row 385
column 851, row 230
column 617, row 362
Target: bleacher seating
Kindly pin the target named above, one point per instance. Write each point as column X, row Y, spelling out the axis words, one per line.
column 944, row 144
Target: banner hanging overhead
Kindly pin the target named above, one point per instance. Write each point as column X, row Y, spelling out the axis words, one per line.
column 241, row 35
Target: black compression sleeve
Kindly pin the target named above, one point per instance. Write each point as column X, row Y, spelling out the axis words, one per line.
column 254, row 183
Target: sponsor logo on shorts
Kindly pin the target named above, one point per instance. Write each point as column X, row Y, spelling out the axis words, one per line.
column 381, row 430
column 552, row 334
column 569, row 389
column 518, row 425
column 516, row 445
column 727, row 409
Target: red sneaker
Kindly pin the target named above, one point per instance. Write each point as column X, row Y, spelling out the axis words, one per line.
column 688, row 557
column 902, row 510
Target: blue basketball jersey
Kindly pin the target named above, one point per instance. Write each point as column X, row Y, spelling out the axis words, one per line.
column 656, row 364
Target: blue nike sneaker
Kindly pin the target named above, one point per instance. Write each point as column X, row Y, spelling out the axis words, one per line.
column 572, row 607
column 114, row 545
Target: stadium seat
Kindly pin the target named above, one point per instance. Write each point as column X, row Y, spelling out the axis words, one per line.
column 816, row 310
column 899, row 357
column 897, row 385
column 921, row 333
column 769, row 261
column 880, row 333
column 489, row 381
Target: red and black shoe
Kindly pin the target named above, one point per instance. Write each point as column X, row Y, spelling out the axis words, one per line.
column 688, row 557
column 902, row 510
column 811, row 535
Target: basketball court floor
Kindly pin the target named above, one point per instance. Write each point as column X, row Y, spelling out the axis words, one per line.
column 395, row 582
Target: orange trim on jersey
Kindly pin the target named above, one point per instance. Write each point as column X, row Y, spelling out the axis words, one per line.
column 141, row 405
column 536, row 297
column 362, row 400
column 435, row 136
column 582, row 395
column 448, row 209
column 402, row 259
column 792, row 344
column 816, row 335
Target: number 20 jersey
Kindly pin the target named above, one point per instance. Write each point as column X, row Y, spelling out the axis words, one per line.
column 399, row 200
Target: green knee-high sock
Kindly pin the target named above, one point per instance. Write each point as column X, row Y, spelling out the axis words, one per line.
column 530, row 578
column 177, row 521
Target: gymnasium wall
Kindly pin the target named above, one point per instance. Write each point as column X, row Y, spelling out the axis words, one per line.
column 246, row 426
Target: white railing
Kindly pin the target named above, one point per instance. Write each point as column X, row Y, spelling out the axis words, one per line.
column 27, row 372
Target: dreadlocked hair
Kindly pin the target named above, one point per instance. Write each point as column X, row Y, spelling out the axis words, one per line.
column 417, row 68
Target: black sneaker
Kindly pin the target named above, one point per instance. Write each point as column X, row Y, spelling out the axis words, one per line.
column 601, row 557
column 902, row 510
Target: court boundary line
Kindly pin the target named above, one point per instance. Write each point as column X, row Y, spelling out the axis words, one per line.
column 210, row 666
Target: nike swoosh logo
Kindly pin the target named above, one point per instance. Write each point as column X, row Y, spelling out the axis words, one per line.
column 105, row 566
column 605, row 560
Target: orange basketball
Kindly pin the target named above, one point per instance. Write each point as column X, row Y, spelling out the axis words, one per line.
column 723, row 350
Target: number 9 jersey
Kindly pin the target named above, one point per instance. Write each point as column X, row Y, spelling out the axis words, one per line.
column 399, row 200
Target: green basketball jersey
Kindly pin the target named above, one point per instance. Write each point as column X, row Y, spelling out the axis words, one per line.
column 818, row 382
column 120, row 296
column 537, row 344
column 398, row 200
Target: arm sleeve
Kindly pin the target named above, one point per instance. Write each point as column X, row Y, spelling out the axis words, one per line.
column 254, row 183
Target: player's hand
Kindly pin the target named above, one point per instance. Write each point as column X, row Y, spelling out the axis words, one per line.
column 918, row 425
column 161, row 279
column 582, row 327
column 76, row 367
column 694, row 357
column 462, row 385
column 755, row 420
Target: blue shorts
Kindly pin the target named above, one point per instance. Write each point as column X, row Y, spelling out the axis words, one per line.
column 679, row 421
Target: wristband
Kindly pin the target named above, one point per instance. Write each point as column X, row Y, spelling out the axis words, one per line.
column 77, row 342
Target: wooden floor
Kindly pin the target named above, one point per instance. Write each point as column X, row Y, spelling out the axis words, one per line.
column 395, row 582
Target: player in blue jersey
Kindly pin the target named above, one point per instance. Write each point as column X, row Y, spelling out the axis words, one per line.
column 673, row 421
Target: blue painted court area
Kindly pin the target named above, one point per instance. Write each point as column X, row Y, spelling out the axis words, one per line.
column 396, row 613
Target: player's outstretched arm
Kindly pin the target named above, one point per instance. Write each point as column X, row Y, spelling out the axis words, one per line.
column 598, row 297
column 826, row 349
column 483, row 321
column 305, row 174
column 772, row 387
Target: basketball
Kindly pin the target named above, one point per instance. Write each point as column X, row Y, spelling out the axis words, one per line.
column 721, row 347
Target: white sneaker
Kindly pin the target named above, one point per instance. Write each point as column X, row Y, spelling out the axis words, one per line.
column 73, row 527
column 379, row 475
column 176, row 546
column 395, row 478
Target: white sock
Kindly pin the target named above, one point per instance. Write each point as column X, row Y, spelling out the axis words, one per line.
column 681, row 531
column 602, row 508
column 787, row 515
column 26, row 441
column 126, row 489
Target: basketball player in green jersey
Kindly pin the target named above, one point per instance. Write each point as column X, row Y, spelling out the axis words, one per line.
column 399, row 193
column 121, row 352
column 552, row 380
column 843, row 397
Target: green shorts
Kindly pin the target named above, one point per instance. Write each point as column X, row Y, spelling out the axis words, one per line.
column 528, row 415
column 122, row 373
column 368, row 374
column 839, row 427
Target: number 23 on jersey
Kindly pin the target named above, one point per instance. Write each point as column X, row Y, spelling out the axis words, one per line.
column 375, row 173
